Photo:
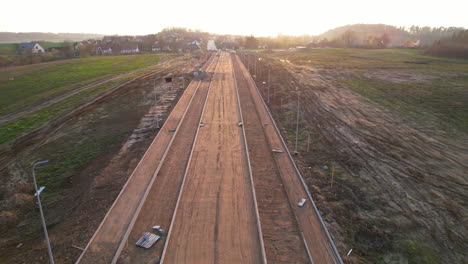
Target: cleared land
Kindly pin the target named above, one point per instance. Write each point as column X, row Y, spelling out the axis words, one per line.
column 414, row 85
column 382, row 146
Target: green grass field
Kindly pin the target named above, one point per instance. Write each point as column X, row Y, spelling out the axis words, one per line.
column 7, row 48
column 61, row 78
column 34, row 86
column 402, row 80
column 370, row 59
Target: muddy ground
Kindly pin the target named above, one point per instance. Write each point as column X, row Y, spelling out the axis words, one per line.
column 92, row 154
column 391, row 189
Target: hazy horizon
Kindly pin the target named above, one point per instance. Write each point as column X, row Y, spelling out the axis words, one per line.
column 216, row 33
column 260, row 18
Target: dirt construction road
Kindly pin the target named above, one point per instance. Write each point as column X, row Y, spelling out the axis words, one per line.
column 211, row 180
column 216, row 219
column 105, row 242
column 315, row 237
column 160, row 202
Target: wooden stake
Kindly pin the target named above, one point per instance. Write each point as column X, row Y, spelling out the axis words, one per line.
column 281, row 104
column 332, row 177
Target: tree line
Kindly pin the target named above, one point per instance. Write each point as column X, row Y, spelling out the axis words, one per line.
column 455, row 46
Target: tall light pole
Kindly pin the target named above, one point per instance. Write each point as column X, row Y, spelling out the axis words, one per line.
column 268, row 87
column 49, row 248
column 255, row 57
column 156, row 103
column 183, row 81
column 297, row 122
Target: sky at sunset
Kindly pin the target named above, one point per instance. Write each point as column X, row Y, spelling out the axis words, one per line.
column 260, row 17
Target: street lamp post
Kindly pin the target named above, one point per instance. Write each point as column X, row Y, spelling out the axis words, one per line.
column 156, row 103
column 268, row 87
column 297, row 122
column 255, row 57
column 49, row 248
column 183, row 82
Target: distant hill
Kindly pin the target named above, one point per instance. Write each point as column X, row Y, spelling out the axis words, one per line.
column 362, row 32
column 12, row 37
column 396, row 36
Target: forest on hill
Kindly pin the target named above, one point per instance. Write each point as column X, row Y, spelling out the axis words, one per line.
column 369, row 34
column 453, row 47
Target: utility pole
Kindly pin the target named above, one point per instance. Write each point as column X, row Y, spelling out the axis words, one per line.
column 156, row 103
column 297, row 123
column 332, row 176
column 38, row 193
column 183, row 82
column 255, row 56
column 268, row 87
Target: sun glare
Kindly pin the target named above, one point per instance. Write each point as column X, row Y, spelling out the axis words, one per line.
column 261, row 18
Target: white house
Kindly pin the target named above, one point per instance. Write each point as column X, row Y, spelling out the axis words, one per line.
column 211, row 45
column 103, row 49
column 127, row 48
column 30, row 47
column 156, row 47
